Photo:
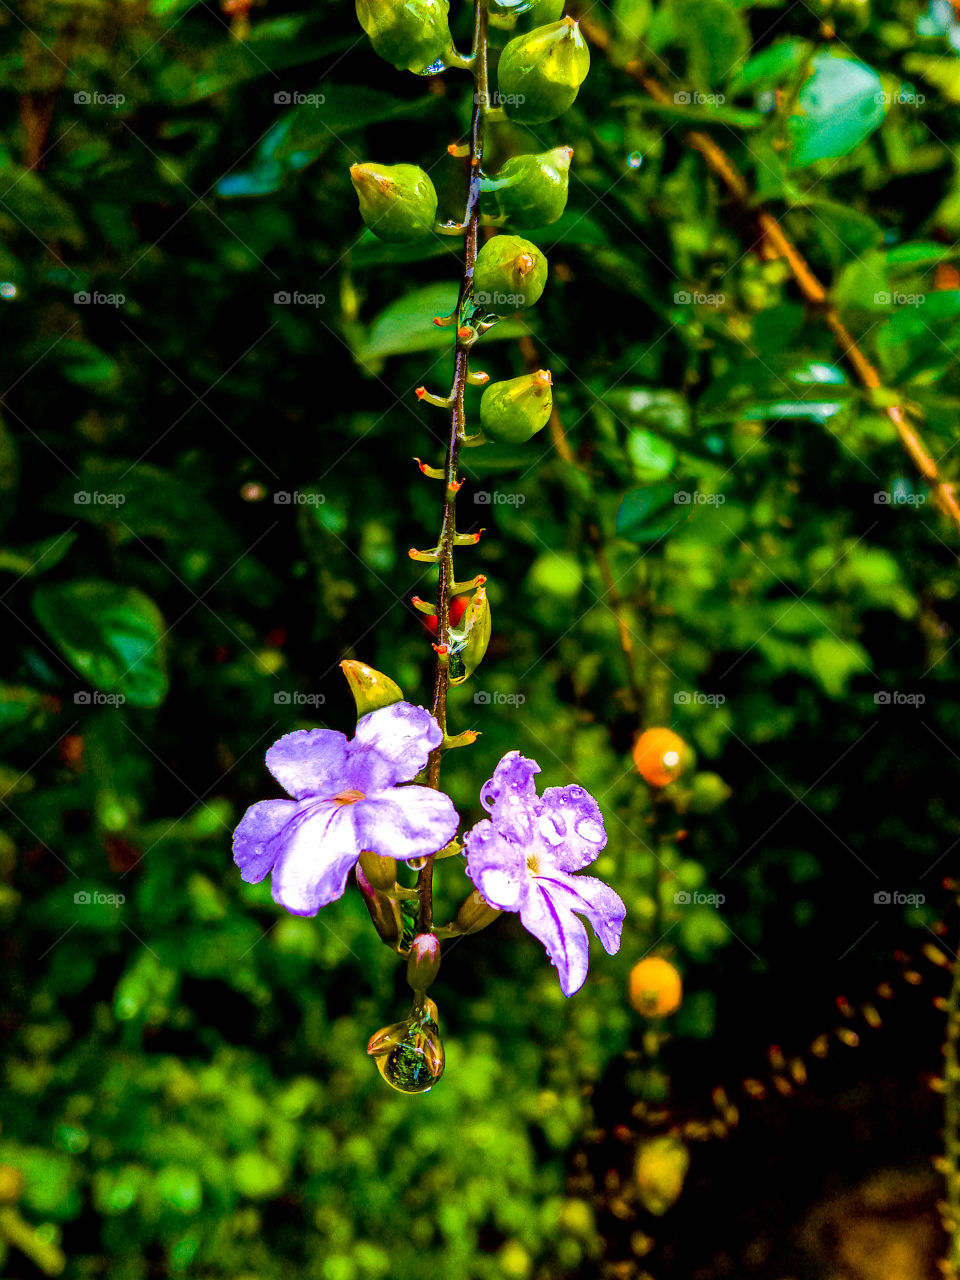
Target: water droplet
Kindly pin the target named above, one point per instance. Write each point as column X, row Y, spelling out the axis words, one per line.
column 410, row 1055
column 635, row 159
column 434, row 68
column 8, row 289
column 416, row 864
column 551, row 830
column 587, row 829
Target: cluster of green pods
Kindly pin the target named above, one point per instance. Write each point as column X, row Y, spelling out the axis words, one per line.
column 538, row 77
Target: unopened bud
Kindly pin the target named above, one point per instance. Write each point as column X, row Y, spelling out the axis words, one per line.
column 541, row 73
column 412, row 34
column 398, row 202
column 423, row 963
column 514, row 411
column 531, row 191
column 475, row 913
column 509, row 275
column 384, row 911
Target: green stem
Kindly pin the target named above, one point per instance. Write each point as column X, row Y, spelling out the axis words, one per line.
column 457, row 427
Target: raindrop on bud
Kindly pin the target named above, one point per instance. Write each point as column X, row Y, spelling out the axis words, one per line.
column 409, row 1054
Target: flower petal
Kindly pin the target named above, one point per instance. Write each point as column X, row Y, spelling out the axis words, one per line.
column 571, row 827
column 391, row 745
column 316, row 859
column 309, row 762
column 554, row 924
column 591, row 898
column 405, row 822
column 510, row 797
column 256, row 841
column 497, row 867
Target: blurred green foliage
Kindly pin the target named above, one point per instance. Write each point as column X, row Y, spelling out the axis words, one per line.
column 208, row 496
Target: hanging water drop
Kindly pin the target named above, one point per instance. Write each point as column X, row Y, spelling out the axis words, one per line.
column 434, row 68
column 410, row 1054
column 635, row 159
column 416, row 864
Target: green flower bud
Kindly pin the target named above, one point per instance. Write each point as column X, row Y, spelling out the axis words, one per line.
column 398, row 202
column 540, row 73
column 531, row 191
column 509, row 274
column 412, row 34
column 514, row 411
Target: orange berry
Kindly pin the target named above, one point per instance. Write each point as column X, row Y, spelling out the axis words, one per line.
column 660, row 756
column 656, row 987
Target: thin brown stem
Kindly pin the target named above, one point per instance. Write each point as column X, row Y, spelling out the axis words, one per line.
column 461, row 368
column 944, row 491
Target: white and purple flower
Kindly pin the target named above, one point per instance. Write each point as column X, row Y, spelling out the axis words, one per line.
column 522, row 857
column 346, row 801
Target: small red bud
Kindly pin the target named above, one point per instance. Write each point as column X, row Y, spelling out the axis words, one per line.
column 423, row 964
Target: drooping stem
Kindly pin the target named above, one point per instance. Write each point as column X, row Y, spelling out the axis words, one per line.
column 461, row 368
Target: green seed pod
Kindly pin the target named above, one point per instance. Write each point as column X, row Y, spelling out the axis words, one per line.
column 509, row 275
column 412, row 34
column 398, row 202
column 514, row 411
column 531, row 191
column 540, row 73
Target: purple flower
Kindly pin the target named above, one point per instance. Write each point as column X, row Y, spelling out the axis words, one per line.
column 346, row 800
column 522, row 856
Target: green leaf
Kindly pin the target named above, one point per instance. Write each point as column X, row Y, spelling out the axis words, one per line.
column 839, row 106
column 715, row 36
column 36, row 557
column 834, row 662
column 112, row 635
column 647, row 513
column 407, row 325
column 772, row 67
column 652, row 457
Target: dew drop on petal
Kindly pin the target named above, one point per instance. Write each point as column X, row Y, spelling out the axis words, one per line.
column 587, row 829
column 551, row 830
column 500, row 890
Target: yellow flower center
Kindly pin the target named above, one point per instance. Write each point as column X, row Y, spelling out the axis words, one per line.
column 349, row 797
